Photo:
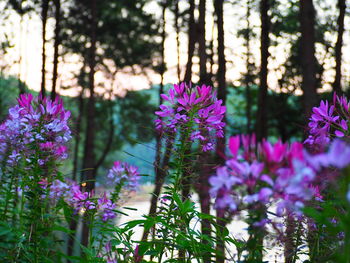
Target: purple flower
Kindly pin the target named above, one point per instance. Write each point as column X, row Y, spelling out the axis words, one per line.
column 233, row 145
column 329, row 121
column 221, row 186
column 264, row 194
column 124, row 174
column 35, row 127
column 337, row 156
column 106, row 207
column 274, row 153
column 198, row 106
column 279, row 173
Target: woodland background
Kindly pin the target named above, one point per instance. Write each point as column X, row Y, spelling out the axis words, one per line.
column 270, row 61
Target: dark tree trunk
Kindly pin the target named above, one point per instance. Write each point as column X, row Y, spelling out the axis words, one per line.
column 307, row 55
column 248, row 77
column 308, row 66
column 338, row 47
column 220, row 147
column 192, row 36
column 221, row 74
column 44, row 11
column 77, row 135
column 177, row 29
column 211, row 56
column 261, row 121
column 202, row 48
column 202, row 187
column 109, row 141
column 159, row 166
column 56, row 45
column 160, row 174
column 289, row 246
column 89, row 147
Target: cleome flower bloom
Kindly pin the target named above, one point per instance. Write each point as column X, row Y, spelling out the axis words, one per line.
column 71, row 193
column 329, row 121
column 280, row 175
column 196, row 110
column 125, row 175
column 35, row 124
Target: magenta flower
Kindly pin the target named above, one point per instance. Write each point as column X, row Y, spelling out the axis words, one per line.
column 274, row 153
column 329, row 121
column 106, row 208
column 278, row 174
column 35, row 124
column 221, row 185
column 338, row 156
column 192, row 108
column 71, row 193
column 124, row 174
column 233, row 145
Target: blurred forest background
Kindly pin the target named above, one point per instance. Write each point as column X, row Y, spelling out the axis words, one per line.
column 270, row 61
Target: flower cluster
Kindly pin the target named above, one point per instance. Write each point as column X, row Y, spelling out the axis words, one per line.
column 190, row 107
column 280, row 174
column 124, row 174
column 329, row 120
column 35, row 126
column 71, row 193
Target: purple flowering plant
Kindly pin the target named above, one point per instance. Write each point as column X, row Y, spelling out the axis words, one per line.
column 329, row 120
column 262, row 183
column 35, row 125
column 328, row 129
column 123, row 177
column 194, row 109
column 33, row 143
column 274, row 181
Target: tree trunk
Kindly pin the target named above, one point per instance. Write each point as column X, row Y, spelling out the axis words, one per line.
column 77, row 135
column 192, row 36
column 160, row 172
column 109, row 141
column 307, row 55
column 289, row 246
column 44, row 11
column 221, row 74
column 177, row 29
column 248, row 77
column 220, row 147
column 261, row 121
column 202, row 48
column 89, row 147
column 56, row 45
column 211, row 55
column 159, row 167
column 338, row 47
column 202, row 187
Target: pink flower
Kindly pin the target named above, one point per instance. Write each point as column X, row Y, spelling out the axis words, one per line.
column 124, row 174
column 234, row 145
column 329, row 121
column 274, row 153
column 36, row 127
column 197, row 106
